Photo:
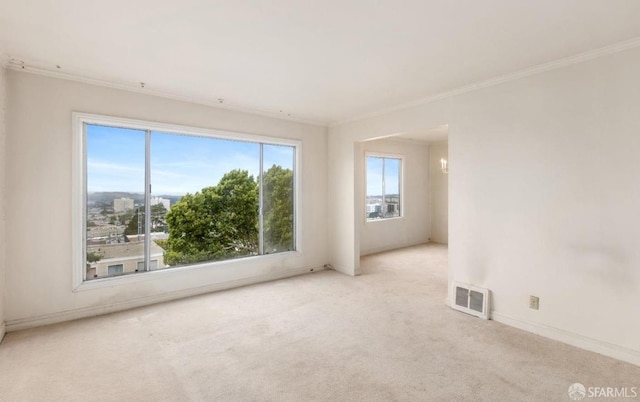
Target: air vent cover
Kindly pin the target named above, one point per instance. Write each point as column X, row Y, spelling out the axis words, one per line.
column 471, row 300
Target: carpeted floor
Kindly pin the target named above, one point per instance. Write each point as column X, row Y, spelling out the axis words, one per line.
column 382, row 336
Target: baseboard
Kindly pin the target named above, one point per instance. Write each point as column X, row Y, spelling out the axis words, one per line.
column 47, row 319
column 594, row 345
column 386, row 248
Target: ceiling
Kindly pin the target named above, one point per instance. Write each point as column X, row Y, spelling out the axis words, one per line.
column 322, row 61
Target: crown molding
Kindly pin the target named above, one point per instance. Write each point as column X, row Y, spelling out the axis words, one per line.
column 408, row 141
column 541, row 68
column 17, row 64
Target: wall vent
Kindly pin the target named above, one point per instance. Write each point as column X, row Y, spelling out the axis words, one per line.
column 471, row 300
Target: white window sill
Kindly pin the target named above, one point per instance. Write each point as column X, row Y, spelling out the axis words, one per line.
column 396, row 218
column 108, row 282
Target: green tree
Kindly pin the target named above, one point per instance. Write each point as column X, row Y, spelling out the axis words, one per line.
column 137, row 223
column 216, row 223
column 278, row 209
column 126, row 216
column 93, row 256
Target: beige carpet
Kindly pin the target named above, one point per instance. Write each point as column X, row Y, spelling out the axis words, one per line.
column 383, row 336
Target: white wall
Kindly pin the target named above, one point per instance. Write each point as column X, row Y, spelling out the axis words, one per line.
column 414, row 225
column 439, row 192
column 544, row 197
column 344, row 240
column 2, row 197
column 39, row 157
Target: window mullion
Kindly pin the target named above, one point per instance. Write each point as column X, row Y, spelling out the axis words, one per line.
column 147, row 202
column 384, row 190
column 294, row 203
column 261, row 202
column 84, row 200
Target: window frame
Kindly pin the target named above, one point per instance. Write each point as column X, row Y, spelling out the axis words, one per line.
column 79, row 182
column 384, row 155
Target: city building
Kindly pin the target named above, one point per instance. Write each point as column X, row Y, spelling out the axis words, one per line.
column 122, row 204
column 373, row 208
column 159, row 200
column 123, row 258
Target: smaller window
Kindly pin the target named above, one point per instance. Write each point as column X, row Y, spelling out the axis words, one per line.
column 153, row 264
column 117, row 269
column 384, row 192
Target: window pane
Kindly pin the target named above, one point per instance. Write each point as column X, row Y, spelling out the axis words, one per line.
column 278, row 215
column 115, row 269
column 115, row 166
column 205, row 199
column 373, row 208
column 383, row 187
column 203, row 203
column 391, row 206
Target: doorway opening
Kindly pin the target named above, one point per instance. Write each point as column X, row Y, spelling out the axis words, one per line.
column 402, row 192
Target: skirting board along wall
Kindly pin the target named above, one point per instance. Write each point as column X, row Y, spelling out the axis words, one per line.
column 570, row 338
column 389, row 248
column 47, row 319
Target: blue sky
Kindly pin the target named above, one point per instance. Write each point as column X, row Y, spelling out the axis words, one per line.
column 179, row 163
column 374, row 175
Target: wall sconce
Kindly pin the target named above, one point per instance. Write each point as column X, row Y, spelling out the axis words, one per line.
column 443, row 165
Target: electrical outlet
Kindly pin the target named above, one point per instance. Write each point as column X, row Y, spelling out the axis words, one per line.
column 534, row 302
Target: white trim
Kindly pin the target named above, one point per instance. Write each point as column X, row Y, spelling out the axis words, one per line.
column 110, row 281
column 527, row 72
column 79, row 188
column 297, row 205
column 78, row 183
column 15, row 63
column 377, row 154
column 88, row 118
column 393, row 218
column 411, row 141
column 571, row 338
column 9, row 63
column 20, row 324
column 376, row 250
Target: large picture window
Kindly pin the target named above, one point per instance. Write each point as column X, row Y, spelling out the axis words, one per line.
column 157, row 199
column 384, row 182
